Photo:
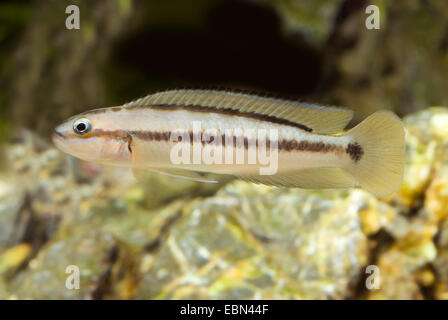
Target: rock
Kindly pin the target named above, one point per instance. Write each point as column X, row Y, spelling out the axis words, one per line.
column 14, row 257
column 314, row 19
column 106, row 269
column 406, row 271
column 441, row 264
column 47, row 193
column 390, row 78
column 252, row 241
column 149, row 240
column 245, row 241
column 396, row 280
column 10, row 205
column 4, row 294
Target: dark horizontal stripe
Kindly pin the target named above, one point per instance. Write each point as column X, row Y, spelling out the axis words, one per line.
column 283, row 145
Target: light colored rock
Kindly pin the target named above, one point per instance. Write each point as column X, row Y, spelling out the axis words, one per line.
column 254, row 241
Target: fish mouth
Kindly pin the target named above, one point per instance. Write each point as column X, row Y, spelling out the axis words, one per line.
column 57, row 134
column 57, row 138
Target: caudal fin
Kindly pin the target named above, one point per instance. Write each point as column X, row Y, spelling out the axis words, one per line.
column 377, row 152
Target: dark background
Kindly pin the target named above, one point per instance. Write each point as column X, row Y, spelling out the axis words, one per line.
column 318, row 51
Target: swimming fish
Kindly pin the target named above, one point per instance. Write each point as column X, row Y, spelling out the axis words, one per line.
column 304, row 140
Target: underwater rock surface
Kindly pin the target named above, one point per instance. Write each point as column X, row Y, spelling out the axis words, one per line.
column 173, row 239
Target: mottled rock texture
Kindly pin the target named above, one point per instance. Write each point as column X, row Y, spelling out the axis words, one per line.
column 237, row 240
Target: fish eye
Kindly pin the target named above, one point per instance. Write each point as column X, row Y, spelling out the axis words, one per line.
column 82, row 126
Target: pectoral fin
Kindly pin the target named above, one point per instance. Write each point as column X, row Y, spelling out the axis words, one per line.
column 186, row 175
column 139, row 158
column 176, row 173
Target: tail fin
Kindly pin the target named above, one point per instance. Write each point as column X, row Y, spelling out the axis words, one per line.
column 378, row 153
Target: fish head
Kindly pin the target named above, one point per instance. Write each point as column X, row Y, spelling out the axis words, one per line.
column 94, row 137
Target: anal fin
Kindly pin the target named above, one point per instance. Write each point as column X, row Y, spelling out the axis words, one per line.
column 314, row 178
column 186, row 175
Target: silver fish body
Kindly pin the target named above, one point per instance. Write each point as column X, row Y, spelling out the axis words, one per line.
column 263, row 140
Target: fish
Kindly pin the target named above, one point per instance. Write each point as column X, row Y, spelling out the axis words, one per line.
column 304, row 145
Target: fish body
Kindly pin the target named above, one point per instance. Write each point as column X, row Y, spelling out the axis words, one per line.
column 188, row 133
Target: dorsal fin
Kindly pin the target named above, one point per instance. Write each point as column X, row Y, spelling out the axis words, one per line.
column 321, row 119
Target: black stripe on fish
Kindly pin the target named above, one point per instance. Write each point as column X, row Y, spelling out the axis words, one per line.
column 354, row 150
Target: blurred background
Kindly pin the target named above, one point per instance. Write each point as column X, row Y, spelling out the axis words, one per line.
column 170, row 239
